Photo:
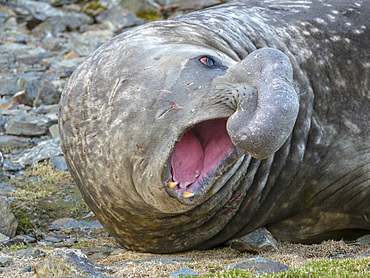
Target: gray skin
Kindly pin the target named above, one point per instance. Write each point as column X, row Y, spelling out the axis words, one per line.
column 292, row 82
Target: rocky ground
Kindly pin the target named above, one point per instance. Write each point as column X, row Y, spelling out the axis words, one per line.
column 45, row 226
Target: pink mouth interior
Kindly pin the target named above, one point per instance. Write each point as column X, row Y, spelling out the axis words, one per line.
column 199, row 152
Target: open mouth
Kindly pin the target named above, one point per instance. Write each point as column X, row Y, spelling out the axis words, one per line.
column 199, row 156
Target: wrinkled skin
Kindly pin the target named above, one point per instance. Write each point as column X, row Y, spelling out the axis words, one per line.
column 185, row 133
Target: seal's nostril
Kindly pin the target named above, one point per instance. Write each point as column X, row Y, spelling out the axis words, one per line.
column 261, row 128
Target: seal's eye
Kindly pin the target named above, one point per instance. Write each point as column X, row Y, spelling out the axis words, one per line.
column 211, row 62
column 207, row 61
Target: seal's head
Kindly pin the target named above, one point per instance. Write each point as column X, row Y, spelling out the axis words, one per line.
column 158, row 120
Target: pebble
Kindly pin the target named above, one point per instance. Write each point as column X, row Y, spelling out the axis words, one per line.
column 68, row 262
column 6, row 188
column 5, row 261
column 363, row 240
column 184, row 272
column 257, row 241
column 27, row 269
column 28, row 126
column 74, row 224
column 3, row 237
column 27, row 238
column 260, row 265
column 8, row 141
column 8, row 222
column 45, row 149
column 29, row 253
column 117, row 18
column 15, row 240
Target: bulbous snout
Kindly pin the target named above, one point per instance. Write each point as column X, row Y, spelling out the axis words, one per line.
column 261, row 127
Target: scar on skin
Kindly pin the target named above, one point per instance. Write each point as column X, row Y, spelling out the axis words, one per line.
column 166, row 91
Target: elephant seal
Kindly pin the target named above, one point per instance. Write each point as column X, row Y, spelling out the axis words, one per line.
column 185, row 133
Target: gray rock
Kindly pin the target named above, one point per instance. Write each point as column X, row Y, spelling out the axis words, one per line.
column 54, row 131
column 3, row 17
column 258, row 240
column 74, row 224
column 177, row 8
column 165, row 2
column 4, row 261
column 99, row 34
column 3, row 121
column 60, row 2
column 13, row 241
column 140, row 6
column 98, row 256
column 26, row 238
column 8, row 222
column 52, row 117
column 184, row 272
column 17, row 48
column 27, row 269
column 363, row 240
column 54, row 45
column 31, row 60
column 47, row 109
column 109, row 3
column 71, row 21
column 59, row 163
column 260, row 265
column 14, row 112
column 72, row 240
column 10, row 24
column 1, row 167
column 47, row 94
column 29, row 253
column 67, row 263
column 36, row 10
column 10, row 167
column 3, row 237
column 28, row 125
column 118, row 18
column 43, row 150
column 7, row 141
column 14, row 35
column 83, row 45
column 53, row 239
column 64, row 68
column 13, row 55
column 34, row 179
column 44, row 30
column 97, row 252
column 6, row 188
column 44, row 243
column 8, row 81
column 31, row 81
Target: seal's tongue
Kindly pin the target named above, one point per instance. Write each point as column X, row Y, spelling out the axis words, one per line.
column 187, row 160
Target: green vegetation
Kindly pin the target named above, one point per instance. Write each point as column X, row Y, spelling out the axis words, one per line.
column 149, row 16
column 358, row 267
column 43, row 195
column 15, row 247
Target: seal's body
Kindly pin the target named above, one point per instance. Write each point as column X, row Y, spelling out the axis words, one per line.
column 189, row 132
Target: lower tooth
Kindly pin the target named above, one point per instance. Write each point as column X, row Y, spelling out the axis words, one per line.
column 187, row 194
column 172, row 184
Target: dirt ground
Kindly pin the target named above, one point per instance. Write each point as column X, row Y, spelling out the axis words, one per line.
column 203, row 262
